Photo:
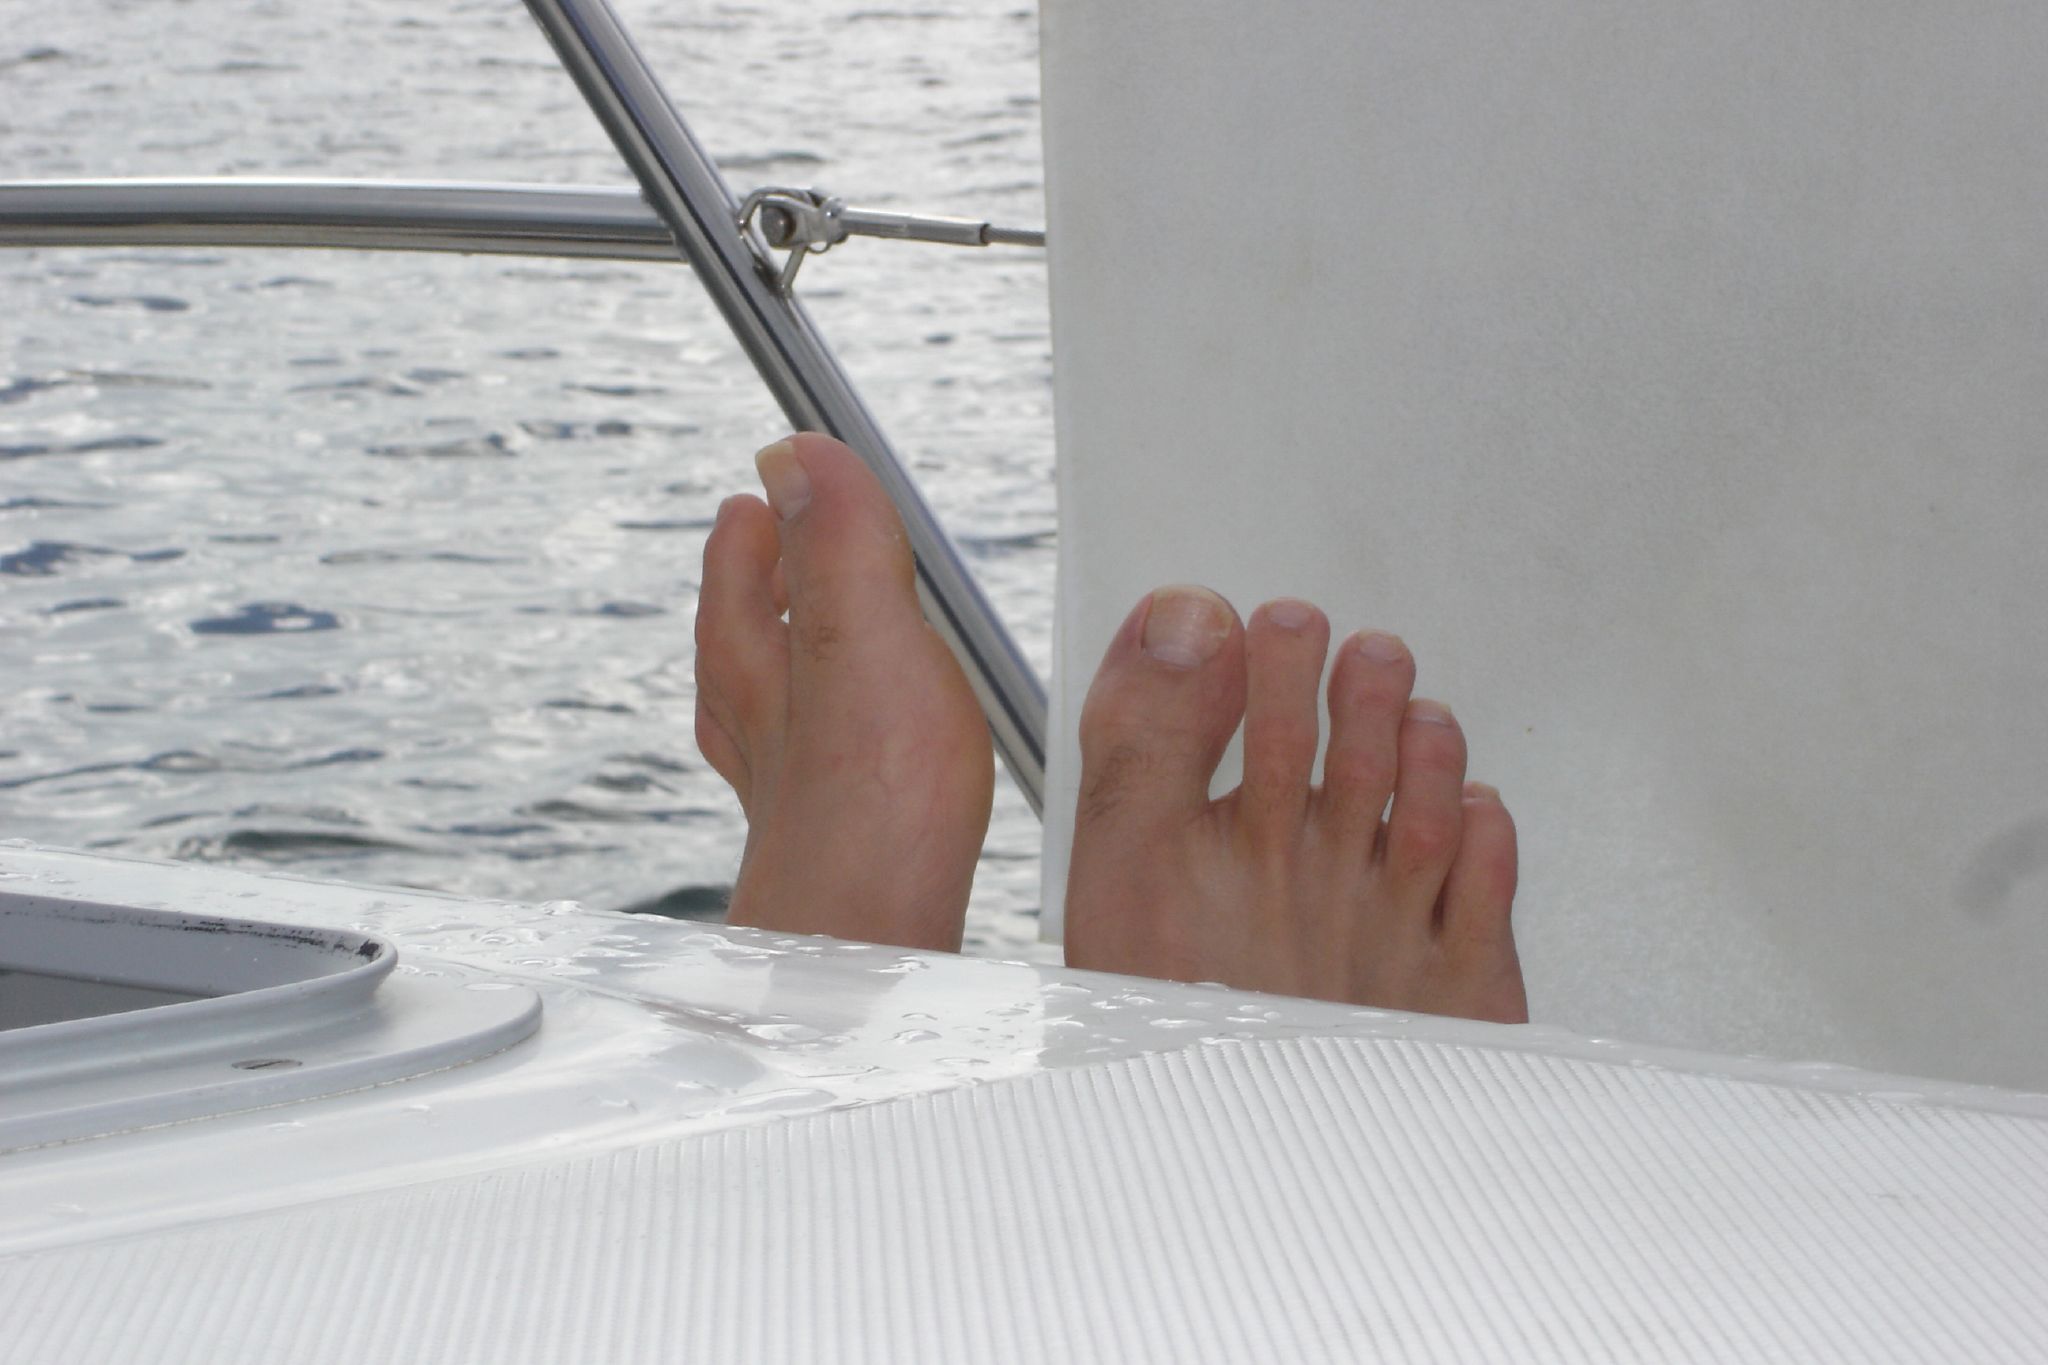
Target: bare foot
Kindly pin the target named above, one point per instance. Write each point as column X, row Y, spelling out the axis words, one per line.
column 848, row 730
column 1281, row 885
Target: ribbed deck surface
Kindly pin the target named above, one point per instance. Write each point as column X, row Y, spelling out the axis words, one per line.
column 1317, row 1199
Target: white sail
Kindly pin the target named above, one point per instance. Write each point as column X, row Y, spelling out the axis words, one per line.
column 1675, row 379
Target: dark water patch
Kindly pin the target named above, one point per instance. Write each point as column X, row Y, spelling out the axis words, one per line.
column 180, row 761
column 576, row 812
column 22, row 452
column 15, row 391
column 531, row 353
column 439, row 784
column 627, row 610
column 284, row 846
column 116, row 708
column 313, row 362
column 246, row 538
column 868, row 16
column 428, row 374
column 294, row 282
column 610, row 708
column 32, row 56
column 660, row 763
column 620, row 390
column 303, row 692
column 345, row 558
column 939, row 339
column 51, row 505
column 153, row 303
column 703, row 903
column 1002, row 547
column 85, row 604
column 667, row 524
column 46, row 558
column 571, row 431
column 184, row 817
column 979, row 139
column 82, row 770
column 498, row 831
column 337, row 757
column 551, row 850
column 587, row 275
column 385, row 388
column 627, row 784
column 754, row 161
column 267, row 618
column 492, row 445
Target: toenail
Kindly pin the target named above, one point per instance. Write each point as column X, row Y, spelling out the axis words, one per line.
column 1482, row 791
column 1430, row 712
column 1186, row 626
column 1381, row 647
column 782, row 475
column 724, row 506
column 1289, row 613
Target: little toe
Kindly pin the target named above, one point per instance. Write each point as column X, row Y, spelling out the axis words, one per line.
column 1424, row 826
column 742, row 645
column 1369, row 686
column 1161, row 710
column 1479, row 891
column 1480, row 975
column 1285, row 643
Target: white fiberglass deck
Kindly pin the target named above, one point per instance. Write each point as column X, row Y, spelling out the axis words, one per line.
column 729, row 1146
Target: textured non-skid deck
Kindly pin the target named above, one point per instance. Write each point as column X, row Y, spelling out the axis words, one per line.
column 1315, row 1199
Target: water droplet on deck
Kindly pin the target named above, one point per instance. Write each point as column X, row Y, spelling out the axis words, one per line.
column 783, row 1033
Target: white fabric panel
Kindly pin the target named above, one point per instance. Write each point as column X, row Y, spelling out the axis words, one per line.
column 1675, row 378
column 1320, row 1199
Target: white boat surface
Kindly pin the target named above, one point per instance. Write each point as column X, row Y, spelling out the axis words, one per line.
column 728, row 1145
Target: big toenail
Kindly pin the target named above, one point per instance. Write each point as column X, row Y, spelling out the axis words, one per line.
column 1480, row 791
column 782, row 475
column 1381, row 647
column 1430, row 712
column 1289, row 613
column 1186, row 626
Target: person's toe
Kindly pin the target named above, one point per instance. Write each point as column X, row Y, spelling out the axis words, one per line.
column 1477, row 938
column 1162, row 708
column 1369, row 686
column 1480, row 888
column 847, row 569
column 742, row 655
column 1285, row 642
column 1427, row 818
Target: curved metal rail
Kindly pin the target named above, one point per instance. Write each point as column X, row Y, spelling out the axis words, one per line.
column 527, row 220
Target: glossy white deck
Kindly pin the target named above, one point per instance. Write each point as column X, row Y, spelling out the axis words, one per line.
column 730, row 1146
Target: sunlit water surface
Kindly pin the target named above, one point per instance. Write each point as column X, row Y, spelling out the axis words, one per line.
column 382, row 567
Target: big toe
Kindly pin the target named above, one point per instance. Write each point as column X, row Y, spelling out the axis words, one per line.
column 1161, row 710
column 846, row 562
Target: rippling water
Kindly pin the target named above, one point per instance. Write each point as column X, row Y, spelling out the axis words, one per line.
column 382, row 566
